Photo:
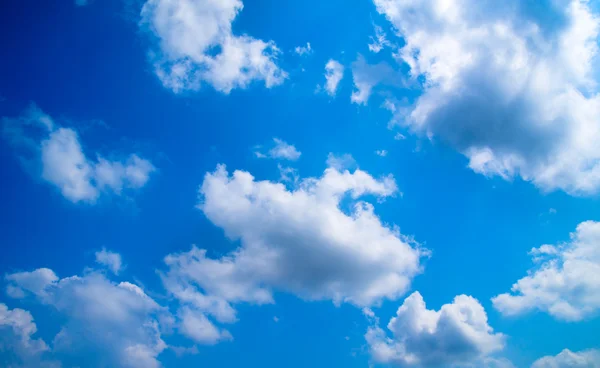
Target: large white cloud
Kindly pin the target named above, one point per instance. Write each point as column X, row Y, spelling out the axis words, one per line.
column 293, row 240
column 56, row 155
column 564, row 282
column 568, row 359
column 115, row 323
column 513, row 89
column 456, row 335
column 195, row 44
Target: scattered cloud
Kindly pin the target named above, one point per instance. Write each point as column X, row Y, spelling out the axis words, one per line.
column 109, row 259
column 195, row 45
column 379, row 42
column 56, row 155
column 275, row 319
column 456, row 334
column 280, row 151
column 334, row 72
column 381, row 153
column 568, row 359
column 513, row 92
column 303, row 50
column 341, row 162
column 399, row 137
column 117, row 322
column 367, row 76
column 564, row 282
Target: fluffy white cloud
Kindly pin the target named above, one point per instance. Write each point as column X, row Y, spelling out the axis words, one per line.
column 298, row 241
column 457, row 334
column 367, row 76
column 281, row 150
column 194, row 44
column 512, row 89
column 109, row 259
column 17, row 346
column 568, row 359
column 115, row 322
column 303, row 50
column 57, row 155
column 564, row 283
column 334, row 72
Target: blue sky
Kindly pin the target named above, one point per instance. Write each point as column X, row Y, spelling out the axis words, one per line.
column 211, row 183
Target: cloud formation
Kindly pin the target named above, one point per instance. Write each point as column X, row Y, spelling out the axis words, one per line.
column 281, row 150
column 334, row 72
column 17, row 346
column 109, row 259
column 564, row 282
column 568, row 359
column 512, row 89
column 457, row 334
column 303, row 50
column 57, row 156
column 194, row 45
column 366, row 76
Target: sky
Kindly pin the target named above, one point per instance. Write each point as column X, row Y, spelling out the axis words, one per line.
column 365, row 183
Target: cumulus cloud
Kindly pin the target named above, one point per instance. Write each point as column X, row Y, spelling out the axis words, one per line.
column 194, row 45
column 115, row 322
column 334, row 72
column 367, row 76
column 457, row 334
column 281, row 150
column 299, row 241
column 564, row 282
column 568, row 359
column 303, row 50
column 17, row 346
column 56, row 155
column 511, row 89
column 109, row 259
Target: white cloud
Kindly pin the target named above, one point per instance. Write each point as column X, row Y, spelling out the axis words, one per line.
column 116, row 321
column 298, row 241
column 568, row 359
column 381, row 153
column 367, row 76
column 341, row 162
column 334, row 72
column 280, row 151
column 564, row 282
column 399, row 137
column 514, row 93
column 109, row 259
column 57, row 155
column 195, row 44
column 379, row 42
column 303, row 50
column 17, row 346
column 456, row 334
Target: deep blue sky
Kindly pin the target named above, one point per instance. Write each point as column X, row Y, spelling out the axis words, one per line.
column 87, row 67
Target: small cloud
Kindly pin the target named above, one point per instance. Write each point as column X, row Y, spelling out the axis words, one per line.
column 343, row 162
column 281, row 150
column 303, row 50
column 347, row 338
column 552, row 211
column 381, row 153
column 275, row 319
column 110, row 259
column 399, row 137
column 334, row 72
column 379, row 42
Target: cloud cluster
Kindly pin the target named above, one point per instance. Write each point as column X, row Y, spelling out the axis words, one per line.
column 457, row 334
column 194, row 44
column 116, row 323
column 512, row 89
column 564, row 282
column 56, row 155
column 568, row 359
column 298, row 241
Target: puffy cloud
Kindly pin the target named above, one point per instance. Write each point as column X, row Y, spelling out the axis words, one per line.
column 292, row 240
column 511, row 89
column 367, row 76
column 115, row 322
column 109, row 259
column 303, row 50
column 195, row 44
column 568, row 359
column 17, row 346
column 564, row 282
column 334, row 72
column 281, row 150
column 56, row 154
column 457, row 334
